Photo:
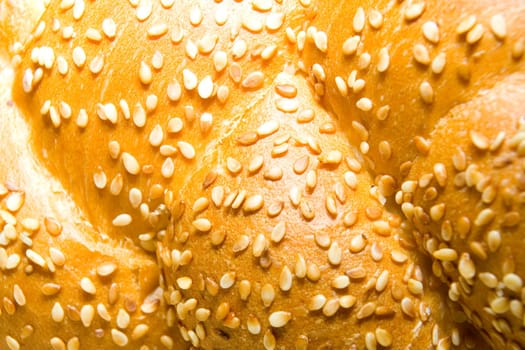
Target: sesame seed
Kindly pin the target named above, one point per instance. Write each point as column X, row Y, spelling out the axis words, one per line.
column 426, row 92
column 253, row 325
column 479, row 140
column 157, row 30
column 285, row 279
column 366, row 310
column 18, row 295
column 484, row 217
column 253, row 203
column 421, row 54
column 260, row 245
column 12, row 343
column 364, row 61
column 202, row 224
column 241, row 244
column 67, row 32
column 438, row 63
column 130, row 163
column 233, row 166
column 57, row 257
column 445, row 254
column 431, row 31
column 168, row 168
column 253, row 80
column 279, row 319
column 350, row 45
column 513, row 282
column 359, row 20
column 269, row 341
column 287, row 105
column 267, row 294
column 144, row 10
column 357, row 243
column 15, row 201
column 122, row 220
column 274, row 21
column 251, row 22
column 119, row 338
column 57, row 343
column 57, row 312
column 87, row 313
column 375, row 18
column 364, row 104
column 106, row 269
column 370, row 341
column 383, row 337
column 205, row 87
column 384, row 61
column 33, row 256
column 382, row 281
column 96, row 64
column 227, row 280
column 140, row 330
column 340, row 282
column 335, row 254
column 466, row 24
column 184, row 283
column 109, row 28
column 239, row 49
column 93, row 35
column 268, row 128
column 408, row 307
column 313, row 273
column 413, row 11
column 316, row 302
column 139, row 116
column 189, row 79
column 62, row 65
column 87, row 286
column 186, row 150
column 500, row 305
column 321, row 41
column 415, row 287
column 475, row 34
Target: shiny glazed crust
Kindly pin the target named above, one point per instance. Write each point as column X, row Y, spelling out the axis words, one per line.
column 262, row 174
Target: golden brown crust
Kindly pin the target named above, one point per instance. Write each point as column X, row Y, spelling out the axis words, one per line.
column 63, row 282
column 401, row 66
column 465, row 199
column 283, row 242
column 190, row 152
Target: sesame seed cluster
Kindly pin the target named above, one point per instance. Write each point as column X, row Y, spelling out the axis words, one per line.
column 270, row 174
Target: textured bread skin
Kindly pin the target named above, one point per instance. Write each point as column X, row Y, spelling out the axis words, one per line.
column 477, row 148
column 205, row 160
column 451, row 47
column 442, row 120
column 252, row 231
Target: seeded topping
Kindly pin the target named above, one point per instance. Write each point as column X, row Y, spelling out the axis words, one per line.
column 272, row 190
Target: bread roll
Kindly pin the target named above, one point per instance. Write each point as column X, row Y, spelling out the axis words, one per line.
column 65, row 284
column 280, row 240
column 186, row 189
column 390, row 70
column 465, row 199
column 438, row 86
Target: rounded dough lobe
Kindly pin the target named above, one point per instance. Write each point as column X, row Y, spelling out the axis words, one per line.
column 280, row 240
column 389, row 70
column 125, row 98
column 465, row 199
column 63, row 283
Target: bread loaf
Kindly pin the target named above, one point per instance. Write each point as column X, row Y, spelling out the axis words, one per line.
column 261, row 174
